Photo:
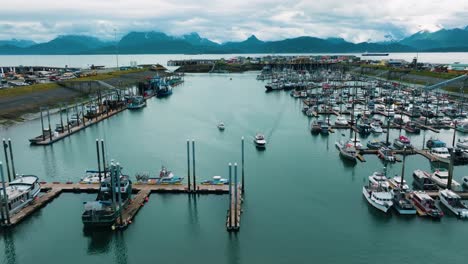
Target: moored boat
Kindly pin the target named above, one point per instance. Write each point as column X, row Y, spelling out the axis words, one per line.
column 376, row 128
column 425, row 205
column 315, row 127
column 402, row 142
column 386, row 154
column 377, row 193
column 422, row 181
column 136, row 102
column 453, row 202
column 20, row 192
column 217, row 180
column 374, row 144
column 462, row 143
column 440, row 177
column 402, row 204
column 440, row 154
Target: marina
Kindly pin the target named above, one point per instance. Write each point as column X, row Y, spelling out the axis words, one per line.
column 285, row 129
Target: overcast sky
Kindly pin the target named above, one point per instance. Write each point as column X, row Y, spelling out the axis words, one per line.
column 231, row 20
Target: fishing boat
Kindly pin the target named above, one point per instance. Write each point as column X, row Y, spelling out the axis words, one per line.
column 217, row 180
column 376, row 128
column 440, row 154
column 92, row 111
column 347, row 151
column 411, row 127
column 402, row 204
column 386, row 154
column 167, row 177
column 377, row 193
column 341, row 121
column 440, row 177
column 103, row 211
column 20, row 192
column 422, row 181
column 435, row 143
column 425, row 205
column 136, row 102
column 260, row 141
column 324, row 129
column 221, row 126
column 356, row 143
column 402, row 142
column 92, row 177
column 462, row 143
column 465, row 181
column 164, row 90
column 395, row 183
column 374, row 144
column 454, row 203
column 462, row 126
column 316, row 127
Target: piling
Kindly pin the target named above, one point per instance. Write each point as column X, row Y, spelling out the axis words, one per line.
column 13, row 171
column 98, row 159
column 5, row 197
column 243, row 183
column 5, row 146
column 82, row 114
column 61, row 120
column 388, row 130
column 454, row 134
column 188, row 164
column 230, row 197
column 112, row 182
column 450, row 172
column 403, row 168
column 42, row 125
column 103, row 157
column 193, row 160
column 117, row 175
column 235, row 195
column 68, row 121
column 48, row 119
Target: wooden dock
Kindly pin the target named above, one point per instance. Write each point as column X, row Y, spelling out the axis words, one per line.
column 141, row 191
column 233, row 219
column 88, row 122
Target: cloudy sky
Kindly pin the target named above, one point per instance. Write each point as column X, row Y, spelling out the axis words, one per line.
column 230, row 20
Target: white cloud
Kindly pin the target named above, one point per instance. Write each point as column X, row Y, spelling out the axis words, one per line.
column 354, row 20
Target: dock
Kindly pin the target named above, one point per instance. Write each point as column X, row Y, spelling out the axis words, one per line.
column 233, row 220
column 52, row 190
column 87, row 123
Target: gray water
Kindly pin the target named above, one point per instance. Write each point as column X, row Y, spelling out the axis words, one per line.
column 303, row 203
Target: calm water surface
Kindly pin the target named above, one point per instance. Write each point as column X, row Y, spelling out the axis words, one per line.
column 302, row 203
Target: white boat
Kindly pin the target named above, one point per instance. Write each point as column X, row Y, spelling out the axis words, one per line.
column 347, row 151
column 462, row 126
column 441, row 154
column 378, row 198
column 20, row 192
column 92, row 177
column 260, row 140
column 356, row 143
column 376, row 128
column 341, row 121
column 440, row 177
column 462, row 143
column 221, row 126
column 395, row 183
column 378, row 178
column 454, row 203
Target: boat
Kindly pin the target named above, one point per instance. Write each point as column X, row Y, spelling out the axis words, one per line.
column 465, row 181
column 411, row 127
column 402, row 142
column 374, row 54
column 103, row 212
column 377, row 193
column 92, row 177
column 440, row 177
column 386, row 154
column 440, row 154
column 376, row 128
column 221, row 126
column 20, row 192
column 347, row 151
column 341, row 121
column 260, row 141
column 462, row 143
column 324, row 129
column 425, row 205
column 217, row 180
column 462, row 126
column 435, row 143
column 454, row 203
column 395, row 183
column 167, row 177
column 315, row 128
column 356, row 143
column 364, row 129
column 92, row 111
column 163, row 90
column 402, row 204
column 422, row 181
column 136, row 102
column 374, row 144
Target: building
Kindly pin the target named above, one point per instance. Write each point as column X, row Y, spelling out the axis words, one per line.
column 458, row 67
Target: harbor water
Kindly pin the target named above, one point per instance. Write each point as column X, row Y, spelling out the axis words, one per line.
column 303, row 203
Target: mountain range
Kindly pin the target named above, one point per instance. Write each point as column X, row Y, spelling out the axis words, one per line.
column 160, row 43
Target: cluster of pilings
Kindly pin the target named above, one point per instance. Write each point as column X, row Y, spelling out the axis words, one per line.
column 190, row 187
column 235, row 194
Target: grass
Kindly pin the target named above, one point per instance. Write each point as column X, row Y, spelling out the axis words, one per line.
column 441, row 75
column 17, row 91
column 105, row 76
